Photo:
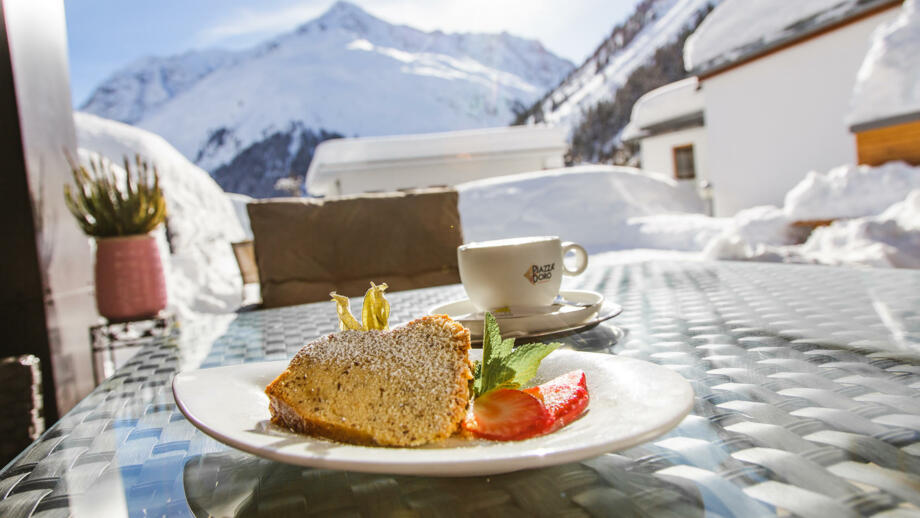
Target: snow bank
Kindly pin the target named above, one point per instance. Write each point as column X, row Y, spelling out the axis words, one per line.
column 592, row 205
column 239, row 202
column 735, row 27
column 882, row 229
column 891, row 239
column 850, row 191
column 888, row 83
column 749, row 234
column 201, row 272
column 680, row 232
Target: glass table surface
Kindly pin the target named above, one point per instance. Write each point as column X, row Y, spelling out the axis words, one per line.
column 807, row 403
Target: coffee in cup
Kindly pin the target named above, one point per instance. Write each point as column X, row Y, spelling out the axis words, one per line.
column 517, row 272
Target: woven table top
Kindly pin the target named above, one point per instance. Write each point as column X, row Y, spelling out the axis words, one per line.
column 807, row 384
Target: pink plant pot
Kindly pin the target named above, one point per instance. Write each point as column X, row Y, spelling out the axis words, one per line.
column 129, row 278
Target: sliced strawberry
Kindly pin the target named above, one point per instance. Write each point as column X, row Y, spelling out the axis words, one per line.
column 565, row 397
column 507, row 415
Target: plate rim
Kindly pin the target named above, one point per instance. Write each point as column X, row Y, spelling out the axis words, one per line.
column 511, row 461
column 603, row 299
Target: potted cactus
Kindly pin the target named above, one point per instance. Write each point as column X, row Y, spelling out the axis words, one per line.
column 120, row 211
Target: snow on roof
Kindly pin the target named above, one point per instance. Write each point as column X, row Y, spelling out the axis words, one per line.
column 631, row 131
column 667, row 103
column 888, row 83
column 737, row 29
column 332, row 156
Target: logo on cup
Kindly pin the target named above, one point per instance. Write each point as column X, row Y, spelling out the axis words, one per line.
column 536, row 274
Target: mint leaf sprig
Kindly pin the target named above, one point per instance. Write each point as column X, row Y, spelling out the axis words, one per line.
column 503, row 365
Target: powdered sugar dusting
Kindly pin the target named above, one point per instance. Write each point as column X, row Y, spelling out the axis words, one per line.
column 409, row 352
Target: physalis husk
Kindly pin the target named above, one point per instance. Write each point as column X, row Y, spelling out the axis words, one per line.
column 374, row 314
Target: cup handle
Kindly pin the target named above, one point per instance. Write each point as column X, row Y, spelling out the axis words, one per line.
column 581, row 258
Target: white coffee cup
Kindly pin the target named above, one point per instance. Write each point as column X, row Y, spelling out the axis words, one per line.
column 518, row 272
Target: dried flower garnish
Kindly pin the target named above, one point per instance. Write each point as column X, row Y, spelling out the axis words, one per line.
column 374, row 314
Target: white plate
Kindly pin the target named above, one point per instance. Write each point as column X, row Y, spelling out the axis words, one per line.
column 632, row 401
column 529, row 322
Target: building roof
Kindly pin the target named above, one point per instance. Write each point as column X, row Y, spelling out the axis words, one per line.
column 668, row 108
column 738, row 31
column 365, row 153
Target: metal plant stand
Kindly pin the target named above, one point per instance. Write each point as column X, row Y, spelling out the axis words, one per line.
column 107, row 338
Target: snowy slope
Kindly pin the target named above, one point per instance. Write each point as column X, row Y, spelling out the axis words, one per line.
column 344, row 72
column 150, row 82
column 601, row 75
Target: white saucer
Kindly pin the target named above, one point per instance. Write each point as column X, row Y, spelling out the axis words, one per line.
column 521, row 322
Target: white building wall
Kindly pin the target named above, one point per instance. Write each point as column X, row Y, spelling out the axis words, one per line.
column 774, row 119
column 657, row 155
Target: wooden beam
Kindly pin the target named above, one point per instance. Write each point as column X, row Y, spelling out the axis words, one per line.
column 896, row 142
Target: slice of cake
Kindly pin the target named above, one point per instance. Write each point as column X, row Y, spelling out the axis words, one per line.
column 403, row 387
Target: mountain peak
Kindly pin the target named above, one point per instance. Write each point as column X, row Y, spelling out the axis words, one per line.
column 343, row 6
column 346, row 15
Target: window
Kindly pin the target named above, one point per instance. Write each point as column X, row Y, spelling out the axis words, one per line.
column 683, row 163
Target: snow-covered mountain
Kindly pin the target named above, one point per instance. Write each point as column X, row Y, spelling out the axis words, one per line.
column 632, row 44
column 145, row 85
column 253, row 116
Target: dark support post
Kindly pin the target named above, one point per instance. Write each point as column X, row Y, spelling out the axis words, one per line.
column 46, row 295
column 22, row 306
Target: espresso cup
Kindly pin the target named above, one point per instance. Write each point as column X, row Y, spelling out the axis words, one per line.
column 523, row 271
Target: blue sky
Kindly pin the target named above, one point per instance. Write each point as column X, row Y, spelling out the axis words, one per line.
column 104, row 35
